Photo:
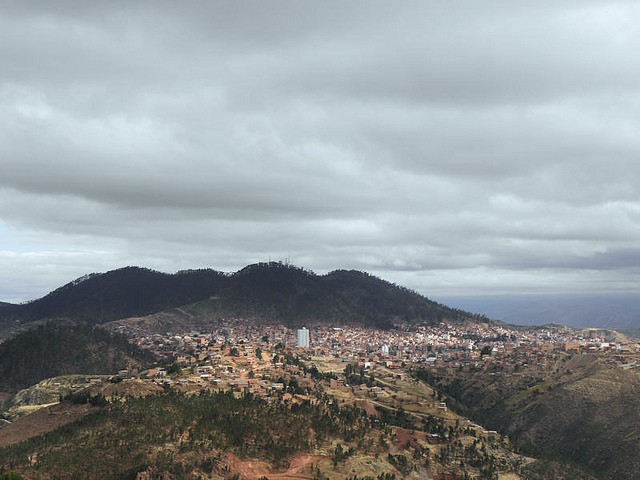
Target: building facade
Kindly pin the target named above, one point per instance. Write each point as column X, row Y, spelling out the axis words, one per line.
column 303, row 338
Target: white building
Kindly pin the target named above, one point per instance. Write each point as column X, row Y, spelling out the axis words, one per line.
column 303, row 338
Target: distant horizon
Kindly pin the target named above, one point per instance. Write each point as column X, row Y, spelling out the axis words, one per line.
column 444, row 296
column 452, row 148
column 602, row 310
column 597, row 310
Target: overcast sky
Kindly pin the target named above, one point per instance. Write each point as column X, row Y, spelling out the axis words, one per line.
column 453, row 147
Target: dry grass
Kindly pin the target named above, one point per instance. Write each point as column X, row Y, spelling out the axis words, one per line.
column 42, row 421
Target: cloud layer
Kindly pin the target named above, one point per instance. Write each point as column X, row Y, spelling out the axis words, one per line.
column 451, row 147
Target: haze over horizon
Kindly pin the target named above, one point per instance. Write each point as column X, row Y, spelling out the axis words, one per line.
column 454, row 148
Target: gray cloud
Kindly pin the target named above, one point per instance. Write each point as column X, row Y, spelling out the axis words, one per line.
column 449, row 147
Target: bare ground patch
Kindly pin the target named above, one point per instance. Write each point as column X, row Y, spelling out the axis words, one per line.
column 42, row 421
column 299, row 468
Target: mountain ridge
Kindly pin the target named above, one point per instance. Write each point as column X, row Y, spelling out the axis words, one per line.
column 582, row 409
column 273, row 292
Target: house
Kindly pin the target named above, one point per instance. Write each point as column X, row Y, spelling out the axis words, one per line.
column 240, row 386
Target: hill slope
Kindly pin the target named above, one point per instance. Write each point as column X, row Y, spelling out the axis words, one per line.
column 99, row 298
column 587, row 410
column 57, row 348
column 271, row 292
column 376, row 298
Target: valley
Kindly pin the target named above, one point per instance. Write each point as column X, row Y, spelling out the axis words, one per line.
column 400, row 384
column 203, row 390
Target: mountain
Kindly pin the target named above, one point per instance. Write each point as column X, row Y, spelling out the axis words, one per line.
column 284, row 294
column 99, row 298
column 61, row 348
column 373, row 297
column 195, row 429
column 272, row 292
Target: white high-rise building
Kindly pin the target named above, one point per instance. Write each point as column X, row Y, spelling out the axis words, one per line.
column 303, row 338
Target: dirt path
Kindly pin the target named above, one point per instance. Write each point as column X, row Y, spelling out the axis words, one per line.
column 255, row 469
column 298, row 464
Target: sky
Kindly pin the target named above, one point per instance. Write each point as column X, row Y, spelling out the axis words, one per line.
column 456, row 148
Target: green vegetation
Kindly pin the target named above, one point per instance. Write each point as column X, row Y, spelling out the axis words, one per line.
column 126, row 292
column 186, row 435
column 582, row 410
column 396, row 417
column 60, row 348
column 358, row 378
column 179, row 434
column 400, row 462
column 11, row 476
column 272, row 292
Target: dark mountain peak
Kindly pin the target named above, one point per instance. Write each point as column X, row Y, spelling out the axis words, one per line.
column 273, row 278
column 200, row 271
column 273, row 292
column 364, row 280
column 271, row 268
column 124, row 292
column 119, row 274
column 133, row 270
column 348, row 273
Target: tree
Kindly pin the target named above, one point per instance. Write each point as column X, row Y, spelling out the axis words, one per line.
column 11, row 475
column 173, row 369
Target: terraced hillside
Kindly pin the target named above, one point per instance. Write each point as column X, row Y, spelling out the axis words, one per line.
column 581, row 408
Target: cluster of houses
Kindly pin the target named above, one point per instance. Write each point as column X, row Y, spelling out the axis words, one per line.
column 248, row 357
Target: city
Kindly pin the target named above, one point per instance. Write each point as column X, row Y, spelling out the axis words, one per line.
column 250, row 358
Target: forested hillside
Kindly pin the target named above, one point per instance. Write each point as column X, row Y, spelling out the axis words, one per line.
column 183, row 435
column 60, row 348
column 581, row 409
column 99, row 298
column 270, row 292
